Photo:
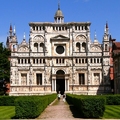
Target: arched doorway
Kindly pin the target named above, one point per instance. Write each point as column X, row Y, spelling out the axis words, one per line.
column 60, row 81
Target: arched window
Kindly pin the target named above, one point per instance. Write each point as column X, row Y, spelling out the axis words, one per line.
column 77, row 47
column 35, row 47
column 42, row 47
column 83, row 47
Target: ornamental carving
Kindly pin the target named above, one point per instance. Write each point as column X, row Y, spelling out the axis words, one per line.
column 81, row 38
column 23, row 49
column 38, row 38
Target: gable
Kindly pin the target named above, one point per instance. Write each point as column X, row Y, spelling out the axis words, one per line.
column 23, row 49
column 59, row 37
column 96, row 48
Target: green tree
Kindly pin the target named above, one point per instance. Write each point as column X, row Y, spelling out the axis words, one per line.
column 4, row 63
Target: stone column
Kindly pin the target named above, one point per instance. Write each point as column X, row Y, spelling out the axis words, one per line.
column 65, row 84
column 53, row 84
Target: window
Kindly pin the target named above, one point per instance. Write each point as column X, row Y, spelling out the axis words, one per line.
column 39, row 79
column 105, row 47
column 23, row 79
column 77, row 47
column 60, row 49
column 18, row 61
column 76, row 60
column 81, row 79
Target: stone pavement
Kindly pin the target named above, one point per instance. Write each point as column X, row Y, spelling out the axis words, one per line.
column 59, row 110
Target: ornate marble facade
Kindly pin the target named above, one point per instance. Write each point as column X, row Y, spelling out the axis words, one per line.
column 59, row 57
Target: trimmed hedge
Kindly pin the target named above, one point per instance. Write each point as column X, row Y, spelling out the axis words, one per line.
column 7, row 100
column 31, row 106
column 112, row 99
column 88, row 106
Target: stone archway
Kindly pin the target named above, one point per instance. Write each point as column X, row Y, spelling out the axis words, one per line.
column 60, row 81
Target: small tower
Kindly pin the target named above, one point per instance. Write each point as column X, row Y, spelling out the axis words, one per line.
column 59, row 18
column 106, row 39
column 12, row 39
column 105, row 59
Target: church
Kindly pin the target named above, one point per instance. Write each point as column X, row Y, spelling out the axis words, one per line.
column 59, row 57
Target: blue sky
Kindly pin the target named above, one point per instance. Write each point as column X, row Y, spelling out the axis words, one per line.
column 21, row 12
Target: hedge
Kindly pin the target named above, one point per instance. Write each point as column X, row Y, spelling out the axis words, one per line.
column 29, row 107
column 7, row 100
column 112, row 99
column 88, row 106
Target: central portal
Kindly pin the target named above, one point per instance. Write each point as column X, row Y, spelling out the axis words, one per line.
column 60, row 81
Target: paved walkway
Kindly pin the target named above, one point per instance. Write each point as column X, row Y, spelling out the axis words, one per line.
column 59, row 110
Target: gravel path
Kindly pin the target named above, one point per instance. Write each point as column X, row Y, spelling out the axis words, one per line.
column 59, row 110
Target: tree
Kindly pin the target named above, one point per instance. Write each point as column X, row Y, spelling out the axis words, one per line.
column 4, row 63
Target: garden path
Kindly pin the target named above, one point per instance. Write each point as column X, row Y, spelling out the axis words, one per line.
column 59, row 110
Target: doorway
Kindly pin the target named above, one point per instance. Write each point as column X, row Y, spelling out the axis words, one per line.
column 60, row 81
column 60, row 85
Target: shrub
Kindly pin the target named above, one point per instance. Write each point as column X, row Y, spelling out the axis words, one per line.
column 112, row 99
column 89, row 106
column 92, row 107
column 7, row 100
column 31, row 106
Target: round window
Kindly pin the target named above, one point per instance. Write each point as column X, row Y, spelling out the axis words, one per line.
column 60, row 49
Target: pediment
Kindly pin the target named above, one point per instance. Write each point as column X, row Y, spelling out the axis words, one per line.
column 95, row 48
column 23, row 48
column 60, row 37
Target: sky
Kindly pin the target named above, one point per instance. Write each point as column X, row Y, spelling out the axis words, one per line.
column 20, row 13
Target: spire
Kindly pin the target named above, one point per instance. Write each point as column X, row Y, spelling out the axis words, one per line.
column 10, row 27
column 24, row 41
column 58, row 5
column 24, row 36
column 14, row 31
column 95, row 38
column 10, row 30
column 106, row 25
column 106, row 28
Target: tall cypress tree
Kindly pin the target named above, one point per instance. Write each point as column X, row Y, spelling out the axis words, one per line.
column 4, row 63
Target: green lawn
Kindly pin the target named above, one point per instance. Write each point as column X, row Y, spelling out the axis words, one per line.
column 7, row 112
column 112, row 112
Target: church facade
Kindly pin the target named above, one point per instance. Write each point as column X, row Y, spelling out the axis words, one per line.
column 59, row 57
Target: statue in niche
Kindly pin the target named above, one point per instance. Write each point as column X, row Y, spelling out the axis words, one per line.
column 96, row 80
column 88, row 61
column 47, row 62
column 67, row 63
column 48, row 72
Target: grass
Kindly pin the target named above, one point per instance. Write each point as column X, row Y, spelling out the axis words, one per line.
column 112, row 112
column 7, row 112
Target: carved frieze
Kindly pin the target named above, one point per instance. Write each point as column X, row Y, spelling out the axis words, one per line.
column 23, row 68
column 38, row 38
